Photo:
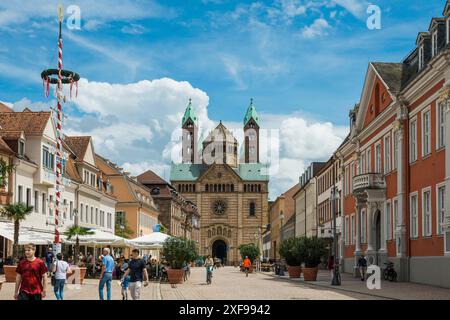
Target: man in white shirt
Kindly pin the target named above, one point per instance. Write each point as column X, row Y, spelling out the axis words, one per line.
column 60, row 270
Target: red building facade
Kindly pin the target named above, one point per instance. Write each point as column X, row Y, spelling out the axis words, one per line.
column 395, row 167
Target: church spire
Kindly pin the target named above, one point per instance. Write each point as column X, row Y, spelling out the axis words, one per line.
column 251, row 114
column 190, row 114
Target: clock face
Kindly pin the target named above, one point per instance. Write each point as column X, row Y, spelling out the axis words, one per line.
column 219, row 207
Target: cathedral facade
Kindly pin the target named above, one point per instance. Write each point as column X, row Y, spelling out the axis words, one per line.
column 231, row 195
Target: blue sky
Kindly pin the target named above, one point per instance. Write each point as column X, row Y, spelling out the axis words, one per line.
column 301, row 60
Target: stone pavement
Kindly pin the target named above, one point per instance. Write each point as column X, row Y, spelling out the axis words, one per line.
column 389, row 290
column 230, row 283
column 88, row 291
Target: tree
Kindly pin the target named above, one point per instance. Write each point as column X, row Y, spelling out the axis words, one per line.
column 250, row 250
column 127, row 232
column 177, row 250
column 17, row 212
column 74, row 232
column 290, row 251
column 5, row 171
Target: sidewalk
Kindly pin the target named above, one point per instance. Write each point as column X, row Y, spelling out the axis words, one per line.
column 389, row 290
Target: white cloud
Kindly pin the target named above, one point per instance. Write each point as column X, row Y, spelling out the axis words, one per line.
column 133, row 29
column 355, row 7
column 318, row 28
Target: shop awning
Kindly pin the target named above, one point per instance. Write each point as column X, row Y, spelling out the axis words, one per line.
column 26, row 235
column 101, row 238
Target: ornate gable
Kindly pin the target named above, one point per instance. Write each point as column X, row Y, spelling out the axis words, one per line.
column 219, row 173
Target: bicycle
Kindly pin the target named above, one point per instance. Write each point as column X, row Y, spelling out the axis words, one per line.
column 389, row 272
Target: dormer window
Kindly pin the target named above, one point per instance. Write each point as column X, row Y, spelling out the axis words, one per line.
column 421, row 57
column 434, row 43
column 21, row 147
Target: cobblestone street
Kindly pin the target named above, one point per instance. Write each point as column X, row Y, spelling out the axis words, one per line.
column 228, row 283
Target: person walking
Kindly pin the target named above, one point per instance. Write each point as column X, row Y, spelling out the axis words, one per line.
column 247, row 264
column 31, row 279
column 209, row 264
column 138, row 272
column 106, row 274
column 362, row 266
column 331, row 265
column 60, row 270
column 49, row 257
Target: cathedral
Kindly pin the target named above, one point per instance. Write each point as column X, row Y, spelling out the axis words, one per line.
column 231, row 194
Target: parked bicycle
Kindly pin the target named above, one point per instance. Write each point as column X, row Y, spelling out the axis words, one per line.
column 389, row 272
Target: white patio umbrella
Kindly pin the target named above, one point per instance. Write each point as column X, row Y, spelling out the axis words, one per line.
column 150, row 241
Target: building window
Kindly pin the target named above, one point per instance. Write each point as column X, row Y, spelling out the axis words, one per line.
column 387, row 154
column 426, row 213
column 81, row 212
column 19, row 194
column 369, row 161
column 96, row 216
column 395, row 209
column 421, row 57
column 362, row 163
column 353, row 232
column 426, row 133
column 50, row 210
column 87, row 213
column 48, row 159
column 71, row 210
column 440, row 210
column 28, row 199
column 388, row 221
column 21, row 148
column 347, row 234
column 435, row 43
column 252, row 209
column 36, row 201
column 65, row 209
column 414, row 216
column 395, row 136
column 44, row 209
column 413, row 141
column 363, row 226
column 92, row 215
column 378, row 158
column 441, row 125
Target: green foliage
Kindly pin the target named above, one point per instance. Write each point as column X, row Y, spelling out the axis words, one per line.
column 126, row 233
column 16, row 212
column 290, row 251
column 5, row 171
column 250, row 250
column 312, row 250
column 74, row 232
column 177, row 250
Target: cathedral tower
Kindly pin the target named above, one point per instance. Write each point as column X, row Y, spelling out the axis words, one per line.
column 189, row 127
column 251, row 135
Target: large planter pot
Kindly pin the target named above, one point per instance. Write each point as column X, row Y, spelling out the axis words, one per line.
column 1, row 283
column 10, row 273
column 175, row 276
column 294, row 271
column 74, row 278
column 310, row 274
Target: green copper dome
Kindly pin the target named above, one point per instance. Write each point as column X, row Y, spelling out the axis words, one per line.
column 190, row 114
column 251, row 114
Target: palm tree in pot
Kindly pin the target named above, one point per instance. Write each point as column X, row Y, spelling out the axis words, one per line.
column 176, row 251
column 76, row 231
column 15, row 212
column 289, row 250
column 313, row 250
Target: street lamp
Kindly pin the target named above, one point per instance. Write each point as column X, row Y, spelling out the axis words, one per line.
column 336, row 281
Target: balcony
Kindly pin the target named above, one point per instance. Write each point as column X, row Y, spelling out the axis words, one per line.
column 368, row 181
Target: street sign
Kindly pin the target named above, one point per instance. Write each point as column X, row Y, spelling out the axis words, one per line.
column 56, row 248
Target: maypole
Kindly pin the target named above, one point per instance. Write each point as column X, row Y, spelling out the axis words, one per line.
column 63, row 77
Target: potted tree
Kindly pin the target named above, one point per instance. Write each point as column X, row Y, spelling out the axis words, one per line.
column 289, row 250
column 16, row 212
column 176, row 251
column 251, row 251
column 76, row 231
column 312, row 250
